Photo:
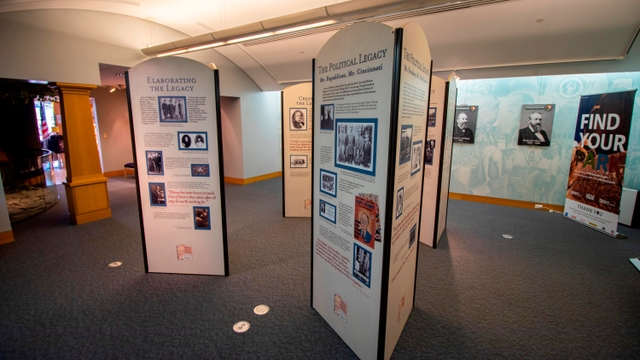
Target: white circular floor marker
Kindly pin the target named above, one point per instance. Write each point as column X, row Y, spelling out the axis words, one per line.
column 507, row 236
column 115, row 264
column 241, row 326
column 261, row 309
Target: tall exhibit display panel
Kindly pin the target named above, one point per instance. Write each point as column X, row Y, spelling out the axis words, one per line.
column 175, row 126
column 432, row 161
column 598, row 160
column 297, row 126
column 451, row 91
column 367, row 181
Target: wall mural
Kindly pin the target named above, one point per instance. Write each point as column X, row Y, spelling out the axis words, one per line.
column 496, row 166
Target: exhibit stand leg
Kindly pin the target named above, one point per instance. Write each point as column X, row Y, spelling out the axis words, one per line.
column 86, row 186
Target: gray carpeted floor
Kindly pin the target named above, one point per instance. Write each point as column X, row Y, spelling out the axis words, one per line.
column 556, row 290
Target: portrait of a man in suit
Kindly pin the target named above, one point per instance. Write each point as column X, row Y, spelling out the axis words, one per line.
column 533, row 134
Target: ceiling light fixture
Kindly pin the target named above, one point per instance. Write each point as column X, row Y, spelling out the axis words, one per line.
column 112, row 89
column 208, row 46
column 305, row 27
column 340, row 13
column 252, row 37
column 181, row 51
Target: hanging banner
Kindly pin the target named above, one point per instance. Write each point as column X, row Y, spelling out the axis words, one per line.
column 296, row 148
column 175, row 126
column 598, row 160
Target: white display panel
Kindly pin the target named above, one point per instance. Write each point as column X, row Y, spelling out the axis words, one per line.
column 432, row 161
column 413, row 103
column 175, row 127
column 447, row 150
column 353, row 73
column 297, row 125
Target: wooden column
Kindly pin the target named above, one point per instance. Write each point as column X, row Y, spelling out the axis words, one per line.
column 86, row 186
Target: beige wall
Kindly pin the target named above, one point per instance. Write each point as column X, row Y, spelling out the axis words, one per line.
column 113, row 122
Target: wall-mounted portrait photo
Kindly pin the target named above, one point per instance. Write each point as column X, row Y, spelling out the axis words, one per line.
column 173, row 109
column 298, row 119
column 193, row 140
column 536, row 123
column 464, row 127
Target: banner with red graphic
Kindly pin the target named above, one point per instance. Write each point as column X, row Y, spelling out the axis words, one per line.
column 598, row 160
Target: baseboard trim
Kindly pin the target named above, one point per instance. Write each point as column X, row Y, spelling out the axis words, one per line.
column 6, row 237
column 504, row 202
column 250, row 180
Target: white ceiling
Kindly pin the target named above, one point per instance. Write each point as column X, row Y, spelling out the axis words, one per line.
column 512, row 33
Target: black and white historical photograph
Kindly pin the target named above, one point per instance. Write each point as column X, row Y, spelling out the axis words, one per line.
column 201, row 219
column 416, row 157
column 326, row 117
column 173, row 108
column 464, row 127
column 399, row 202
column 200, row 170
column 406, row 136
column 298, row 119
column 413, row 235
column 327, row 211
column 193, row 140
column 362, row 264
column 356, row 144
column 429, row 152
column 154, row 162
column 328, row 182
column 157, row 194
column 536, row 123
column 299, row 161
column 431, row 116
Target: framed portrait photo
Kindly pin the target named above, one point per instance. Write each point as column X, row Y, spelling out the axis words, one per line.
column 193, row 140
column 355, row 145
column 154, row 162
column 173, row 109
column 201, row 218
column 326, row 116
column 328, row 182
column 416, row 157
column 406, row 139
column 298, row 119
column 157, row 194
